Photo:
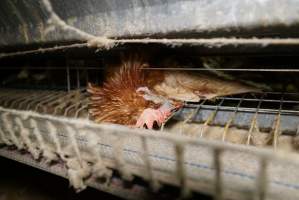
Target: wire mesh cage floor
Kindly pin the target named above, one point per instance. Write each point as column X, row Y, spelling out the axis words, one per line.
column 193, row 163
column 259, row 119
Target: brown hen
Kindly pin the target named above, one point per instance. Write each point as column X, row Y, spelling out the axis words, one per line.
column 138, row 97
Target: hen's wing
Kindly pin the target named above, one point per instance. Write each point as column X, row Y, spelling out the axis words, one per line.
column 194, row 87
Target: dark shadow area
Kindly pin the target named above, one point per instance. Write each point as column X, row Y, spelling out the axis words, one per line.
column 21, row 182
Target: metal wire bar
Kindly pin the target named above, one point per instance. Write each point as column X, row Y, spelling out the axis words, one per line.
column 169, row 118
column 78, row 78
column 67, row 109
column 4, row 138
column 262, row 180
column 154, row 184
column 37, row 98
column 173, row 42
column 222, row 69
column 210, row 118
column 49, row 98
column 73, row 133
column 182, row 68
column 36, row 101
column 218, row 194
column 50, row 68
column 24, row 98
column 4, row 94
column 276, row 132
column 180, row 170
column 68, row 78
column 80, row 110
column 62, row 98
column 265, row 100
column 11, row 99
column 194, row 113
column 118, row 146
column 48, row 101
column 24, row 133
column 247, row 109
column 28, row 100
column 69, row 99
column 254, row 121
column 286, row 93
column 79, row 99
column 43, row 50
column 53, row 132
column 11, row 130
column 232, row 118
column 86, row 76
column 5, row 98
column 8, row 96
column 41, row 141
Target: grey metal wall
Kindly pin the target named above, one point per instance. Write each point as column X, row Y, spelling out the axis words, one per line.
column 24, row 21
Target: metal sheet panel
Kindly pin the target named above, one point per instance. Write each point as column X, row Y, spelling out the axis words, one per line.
column 25, row 21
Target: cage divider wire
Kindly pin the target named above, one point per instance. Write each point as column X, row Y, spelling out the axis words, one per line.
column 154, row 184
column 254, row 123
column 180, row 170
column 231, row 119
column 75, row 105
column 40, row 100
column 46, row 99
column 97, row 44
column 194, row 113
column 218, row 193
column 210, row 118
column 190, row 116
column 276, row 124
column 21, row 99
column 262, row 180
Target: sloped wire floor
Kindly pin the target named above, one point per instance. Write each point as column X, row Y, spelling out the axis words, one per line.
column 273, row 113
column 270, row 112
